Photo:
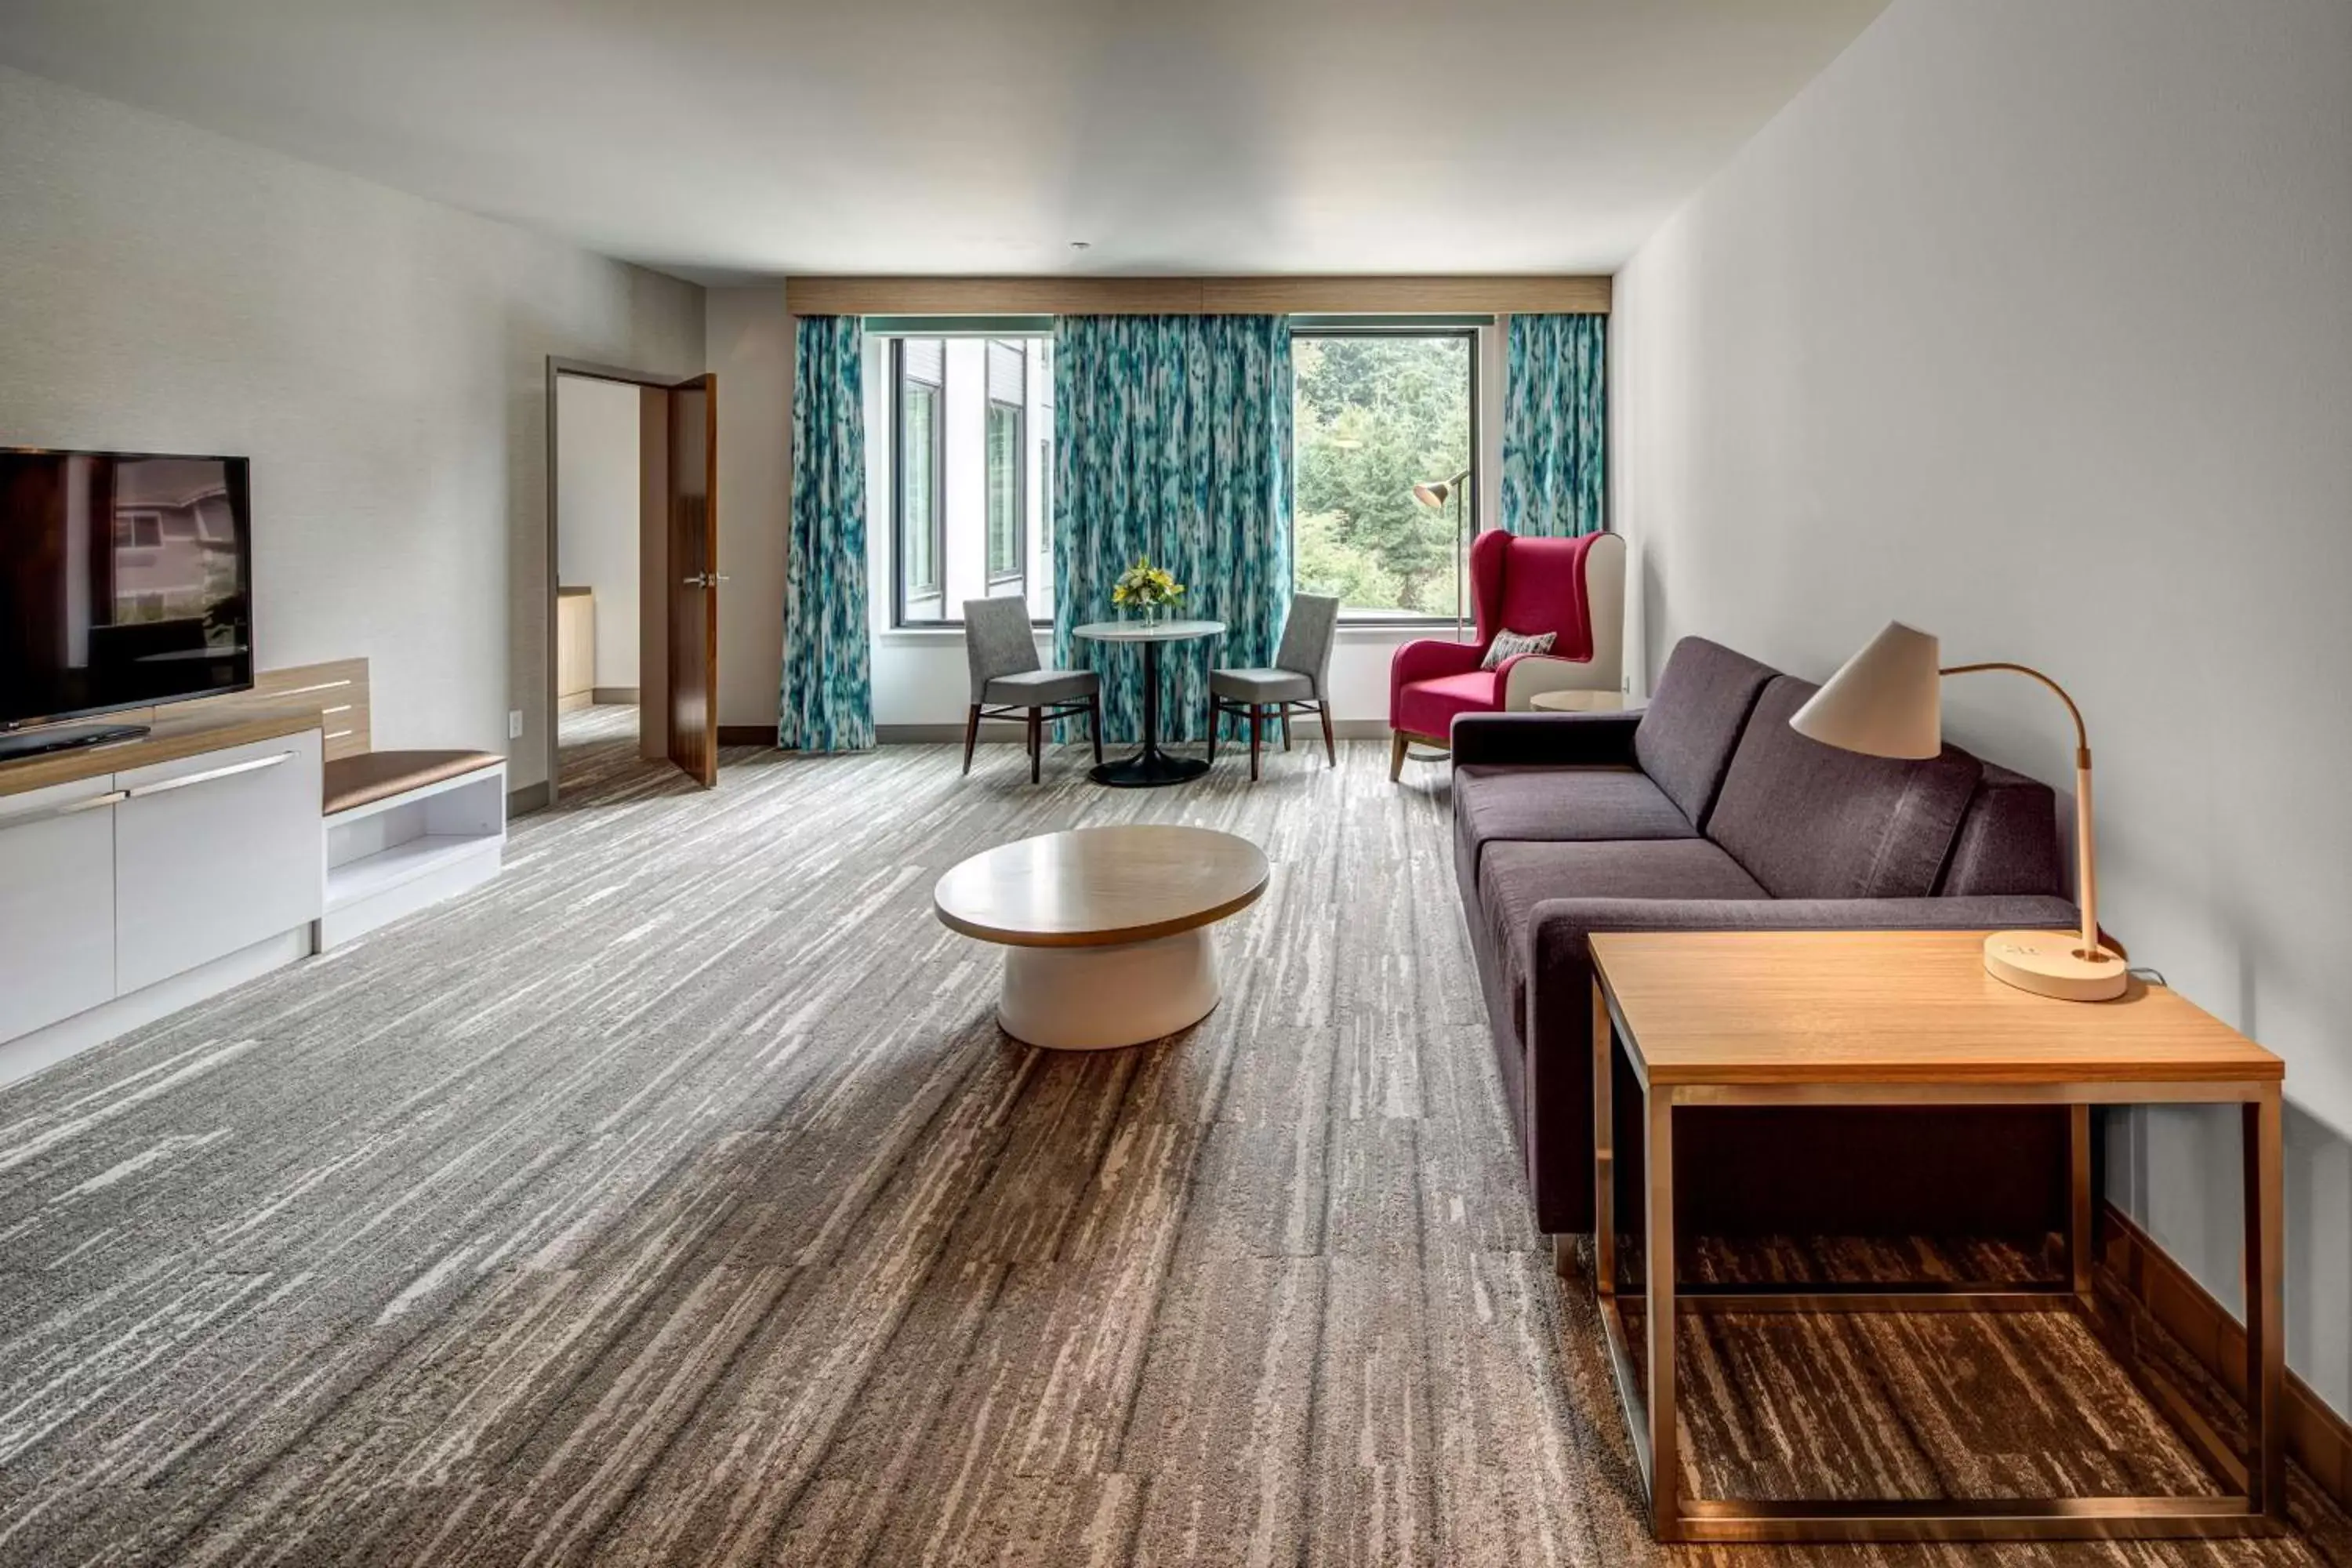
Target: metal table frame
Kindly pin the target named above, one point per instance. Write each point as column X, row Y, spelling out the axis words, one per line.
column 2256, row 1504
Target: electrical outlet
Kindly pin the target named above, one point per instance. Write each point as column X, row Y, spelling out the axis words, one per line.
column 514, row 724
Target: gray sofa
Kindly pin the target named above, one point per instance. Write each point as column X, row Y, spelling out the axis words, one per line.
column 1706, row 811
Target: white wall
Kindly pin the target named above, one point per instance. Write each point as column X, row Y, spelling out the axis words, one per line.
column 381, row 358
column 2031, row 323
column 597, row 516
column 751, row 349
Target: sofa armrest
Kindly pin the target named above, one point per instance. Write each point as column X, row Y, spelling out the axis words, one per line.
column 1557, row 1092
column 1429, row 658
column 1521, row 675
column 1546, row 739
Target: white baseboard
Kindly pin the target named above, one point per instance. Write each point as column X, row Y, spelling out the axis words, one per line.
column 28, row 1054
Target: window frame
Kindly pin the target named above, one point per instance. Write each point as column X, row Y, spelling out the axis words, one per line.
column 946, row 331
column 1019, row 459
column 1472, row 519
column 939, row 518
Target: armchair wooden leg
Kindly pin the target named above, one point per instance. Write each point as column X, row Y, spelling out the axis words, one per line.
column 1094, row 724
column 1330, row 752
column 970, row 737
column 1036, row 742
column 1396, row 755
column 1282, row 716
column 1216, row 713
column 1256, row 718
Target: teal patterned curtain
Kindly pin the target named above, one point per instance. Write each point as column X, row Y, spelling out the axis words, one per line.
column 1172, row 439
column 828, row 686
column 1555, row 425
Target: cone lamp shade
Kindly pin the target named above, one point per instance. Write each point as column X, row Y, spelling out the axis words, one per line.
column 1437, row 492
column 1886, row 702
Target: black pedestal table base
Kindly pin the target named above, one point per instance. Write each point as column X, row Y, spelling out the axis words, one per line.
column 1150, row 767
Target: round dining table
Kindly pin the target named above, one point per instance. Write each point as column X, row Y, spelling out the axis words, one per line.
column 1150, row 765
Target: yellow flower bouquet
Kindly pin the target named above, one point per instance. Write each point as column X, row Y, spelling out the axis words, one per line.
column 1146, row 587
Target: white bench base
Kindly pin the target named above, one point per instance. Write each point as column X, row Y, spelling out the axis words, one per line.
column 1098, row 998
column 394, row 856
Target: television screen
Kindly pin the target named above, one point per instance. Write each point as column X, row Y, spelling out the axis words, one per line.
column 125, row 581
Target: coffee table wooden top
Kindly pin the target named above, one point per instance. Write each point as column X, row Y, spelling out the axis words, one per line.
column 1876, row 1007
column 1093, row 886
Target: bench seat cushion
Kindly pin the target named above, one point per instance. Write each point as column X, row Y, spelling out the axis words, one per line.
column 372, row 776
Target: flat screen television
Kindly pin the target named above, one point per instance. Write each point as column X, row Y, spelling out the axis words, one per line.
column 126, row 581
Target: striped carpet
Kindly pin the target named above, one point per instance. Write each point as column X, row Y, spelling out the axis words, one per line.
column 675, row 1200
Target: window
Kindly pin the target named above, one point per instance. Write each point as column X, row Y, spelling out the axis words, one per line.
column 918, row 366
column 967, row 507
column 1007, row 390
column 1377, row 412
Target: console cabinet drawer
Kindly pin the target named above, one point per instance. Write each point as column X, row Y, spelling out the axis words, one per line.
column 215, row 852
column 56, row 903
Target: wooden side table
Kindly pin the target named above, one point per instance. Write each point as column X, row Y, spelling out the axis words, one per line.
column 1911, row 1018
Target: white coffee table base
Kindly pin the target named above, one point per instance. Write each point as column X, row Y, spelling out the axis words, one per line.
column 1097, row 998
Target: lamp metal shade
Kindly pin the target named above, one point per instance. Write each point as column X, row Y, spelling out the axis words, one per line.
column 1433, row 494
column 1885, row 701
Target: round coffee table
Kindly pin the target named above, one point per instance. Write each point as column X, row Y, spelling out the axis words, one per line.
column 1105, row 929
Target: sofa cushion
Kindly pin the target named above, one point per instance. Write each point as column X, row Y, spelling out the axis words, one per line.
column 1428, row 707
column 1513, row 876
column 1693, row 719
column 1560, row 805
column 1810, row 820
column 2008, row 841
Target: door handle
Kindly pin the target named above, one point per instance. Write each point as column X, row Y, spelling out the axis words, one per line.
column 163, row 786
column 705, row 580
column 74, row 808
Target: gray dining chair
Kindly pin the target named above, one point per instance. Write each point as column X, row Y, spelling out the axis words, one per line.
column 1007, row 682
column 1299, row 681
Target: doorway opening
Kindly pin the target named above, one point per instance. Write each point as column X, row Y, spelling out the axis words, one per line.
column 632, row 612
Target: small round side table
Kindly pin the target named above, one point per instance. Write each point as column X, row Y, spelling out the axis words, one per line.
column 1576, row 702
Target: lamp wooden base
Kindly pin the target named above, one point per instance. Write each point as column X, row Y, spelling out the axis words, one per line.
column 2052, row 963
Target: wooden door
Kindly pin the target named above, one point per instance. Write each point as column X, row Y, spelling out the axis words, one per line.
column 694, row 578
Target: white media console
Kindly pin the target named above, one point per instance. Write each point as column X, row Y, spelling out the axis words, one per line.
column 126, row 895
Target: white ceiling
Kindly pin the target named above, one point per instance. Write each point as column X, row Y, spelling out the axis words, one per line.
column 724, row 139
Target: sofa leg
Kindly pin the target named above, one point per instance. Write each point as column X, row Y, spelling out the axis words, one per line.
column 1563, row 1257
column 1396, row 755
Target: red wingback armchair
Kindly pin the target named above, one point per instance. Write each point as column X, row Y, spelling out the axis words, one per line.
column 1573, row 588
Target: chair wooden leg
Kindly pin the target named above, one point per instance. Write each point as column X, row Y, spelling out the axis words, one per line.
column 1036, row 742
column 970, row 737
column 1396, row 755
column 1330, row 752
column 1257, row 716
column 1282, row 716
column 1216, row 712
column 1094, row 724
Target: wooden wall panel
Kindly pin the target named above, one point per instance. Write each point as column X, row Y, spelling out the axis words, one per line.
column 816, row 296
column 336, row 690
